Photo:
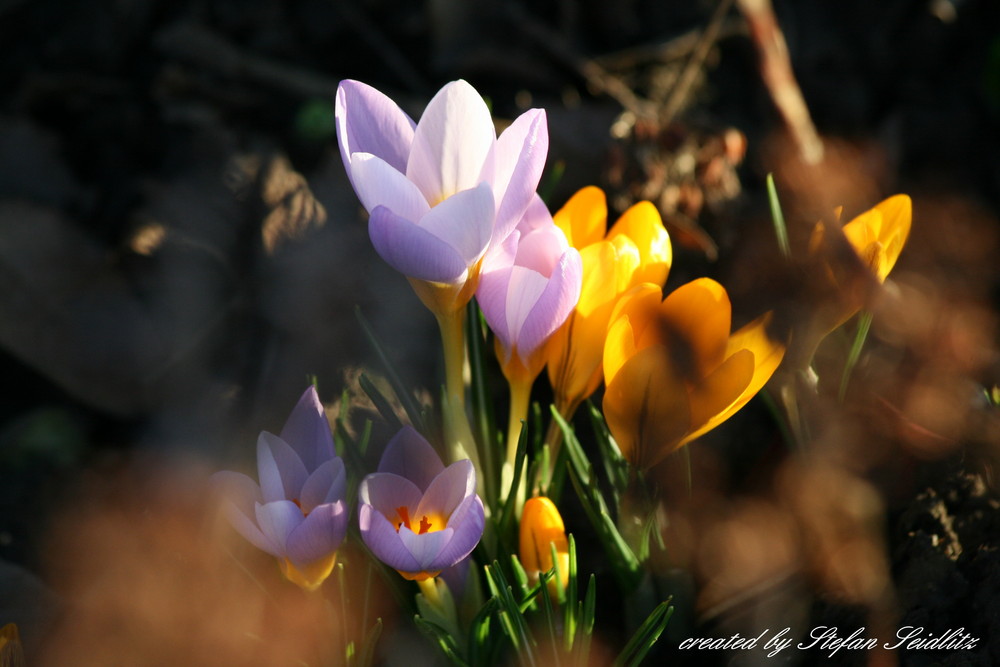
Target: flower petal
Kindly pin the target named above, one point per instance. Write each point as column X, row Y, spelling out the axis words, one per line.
column 276, row 520
column 447, row 491
column 381, row 537
column 643, row 225
column 326, row 484
column 387, row 492
column 279, row 467
column 451, row 142
column 410, row 456
column 646, row 407
column 635, row 311
column 554, row 304
column 414, row 251
column 370, row 122
column 240, row 495
column 713, row 396
column 584, row 218
column 695, row 321
column 467, row 522
column 378, row 184
column 464, row 221
column 320, row 534
column 308, row 431
column 425, row 548
column 519, row 158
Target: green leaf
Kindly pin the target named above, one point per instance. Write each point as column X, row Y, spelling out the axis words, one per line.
column 410, row 406
column 644, row 638
column 864, row 325
column 382, row 404
column 442, row 638
column 481, row 401
column 778, row 218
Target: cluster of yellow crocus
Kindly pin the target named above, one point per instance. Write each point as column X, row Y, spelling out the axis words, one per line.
column 636, row 250
column 673, row 371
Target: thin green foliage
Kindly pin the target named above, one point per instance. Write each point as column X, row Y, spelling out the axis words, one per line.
column 382, row 404
column 624, row 563
column 413, row 411
column 644, row 638
column 864, row 326
column 778, row 218
column 482, row 403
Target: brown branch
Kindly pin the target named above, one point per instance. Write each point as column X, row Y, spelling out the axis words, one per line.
column 776, row 70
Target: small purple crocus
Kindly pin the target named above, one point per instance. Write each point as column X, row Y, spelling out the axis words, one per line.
column 297, row 513
column 416, row 515
column 529, row 286
column 442, row 191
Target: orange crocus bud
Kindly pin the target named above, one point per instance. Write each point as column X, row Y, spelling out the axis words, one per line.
column 541, row 529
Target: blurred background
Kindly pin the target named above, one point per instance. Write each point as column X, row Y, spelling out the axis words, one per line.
column 180, row 251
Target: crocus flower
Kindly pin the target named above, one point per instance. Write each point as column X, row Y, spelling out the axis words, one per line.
column 297, row 513
column 442, row 191
column 416, row 515
column 529, row 285
column 673, row 371
column 542, row 529
column 845, row 267
column 637, row 250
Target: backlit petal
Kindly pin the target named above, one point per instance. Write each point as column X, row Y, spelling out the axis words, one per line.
column 451, row 142
column 387, row 492
column 370, row 122
column 279, row 468
column 554, row 304
column 326, row 484
column 464, row 221
column 448, row 490
column 467, row 523
column 642, row 224
column 319, row 534
column 378, row 184
column 695, row 321
column 410, row 456
column 646, row 407
column 381, row 537
column 276, row 520
column 584, row 218
column 414, row 251
column 519, row 158
column 634, row 312
column 308, row 431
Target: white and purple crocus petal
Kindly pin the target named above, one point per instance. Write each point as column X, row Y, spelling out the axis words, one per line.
column 442, row 191
column 412, row 477
column 530, row 284
column 298, row 510
column 519, row 158
column 369, row 122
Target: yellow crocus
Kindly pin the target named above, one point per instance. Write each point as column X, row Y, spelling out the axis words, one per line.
column 541, row 529
column 636, row 250
column 673, row 371
column 849, row 264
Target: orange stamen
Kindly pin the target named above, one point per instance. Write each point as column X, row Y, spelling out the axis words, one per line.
column 404, row 516
column 425, row 525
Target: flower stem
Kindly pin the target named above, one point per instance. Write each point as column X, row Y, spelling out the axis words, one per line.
column 461, row 443
column 520, row 399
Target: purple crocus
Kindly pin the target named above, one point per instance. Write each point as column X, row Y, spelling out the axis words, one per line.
column 416, row 515
column 297, row 513
column 442, row 191
column 529, row 286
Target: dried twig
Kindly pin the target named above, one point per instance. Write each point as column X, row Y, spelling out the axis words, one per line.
column 596, row 76
column 776, row 70
column 694, row 64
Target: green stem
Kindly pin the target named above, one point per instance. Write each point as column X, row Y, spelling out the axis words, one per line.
column 461, row 443
column 520, row 400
